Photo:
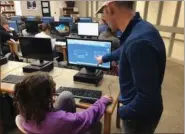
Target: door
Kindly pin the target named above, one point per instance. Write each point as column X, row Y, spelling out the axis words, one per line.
column 45, row 6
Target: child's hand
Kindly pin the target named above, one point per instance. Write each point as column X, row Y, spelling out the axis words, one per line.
column 108, row 97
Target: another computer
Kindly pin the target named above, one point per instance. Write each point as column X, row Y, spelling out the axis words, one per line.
column 60, row 29
column 88, row 29
column 83, row 53
column 39, row 49
column 32, row 27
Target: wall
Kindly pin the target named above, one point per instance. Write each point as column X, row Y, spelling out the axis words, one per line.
column 56, row 7
column 18, row 7
column 25, row 12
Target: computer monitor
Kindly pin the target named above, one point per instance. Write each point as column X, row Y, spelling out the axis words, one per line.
column 85, row 19
column 88, row 29
column 60, row 28
column 83, row 53
column 13, row 24
column 31, row 18
column 36, row 48
column 32, row 26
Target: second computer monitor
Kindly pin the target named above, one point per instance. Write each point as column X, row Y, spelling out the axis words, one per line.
column 88, row 29
column 60, row 28
column 83, row 52
column 33, row 26
column 36, row 48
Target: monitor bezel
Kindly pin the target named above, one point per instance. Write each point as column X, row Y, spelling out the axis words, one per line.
column 65, row 24
column 29, row 57
column 87, row 17
column 86, row 66
column 88, row 35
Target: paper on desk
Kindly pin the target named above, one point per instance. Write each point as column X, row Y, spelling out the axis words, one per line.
column 60, row 43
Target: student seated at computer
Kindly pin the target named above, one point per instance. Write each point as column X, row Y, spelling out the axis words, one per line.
column 45, row 33
column 74, row 28
column 40, row 113
column 110, row 35
column 7, row 39
column 102, row 25
column 21, row 24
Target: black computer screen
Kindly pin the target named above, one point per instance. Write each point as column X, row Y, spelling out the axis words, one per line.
column 36, row 48
column 82, row 52
column 33, row 26
column 60, row 28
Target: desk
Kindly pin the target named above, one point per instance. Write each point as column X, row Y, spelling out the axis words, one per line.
column 64, row 77
column 62, row 48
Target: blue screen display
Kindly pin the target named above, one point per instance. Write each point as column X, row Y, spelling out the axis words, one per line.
column 84, row 52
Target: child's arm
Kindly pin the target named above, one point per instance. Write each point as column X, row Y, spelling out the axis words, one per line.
column 84, row 120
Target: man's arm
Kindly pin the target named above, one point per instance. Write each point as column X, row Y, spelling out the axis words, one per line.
column 114, row 56
column 145, row 73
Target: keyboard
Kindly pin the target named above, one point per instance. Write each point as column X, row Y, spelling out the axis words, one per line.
column 14, row 79
column 86, row 94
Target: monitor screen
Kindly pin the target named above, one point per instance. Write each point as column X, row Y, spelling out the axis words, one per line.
column 88, row 29
column 36, row 48
column 13, row 24
column 83, row 52
column 60, row 28
column 32, row 26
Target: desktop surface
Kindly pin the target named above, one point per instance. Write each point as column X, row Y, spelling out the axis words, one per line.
column 84, row 52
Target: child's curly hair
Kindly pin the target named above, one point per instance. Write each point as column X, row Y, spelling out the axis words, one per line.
column 33, row 96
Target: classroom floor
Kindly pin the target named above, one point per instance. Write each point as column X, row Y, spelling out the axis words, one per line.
column 172, row 120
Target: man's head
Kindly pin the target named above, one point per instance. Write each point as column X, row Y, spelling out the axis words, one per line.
column 116, row 12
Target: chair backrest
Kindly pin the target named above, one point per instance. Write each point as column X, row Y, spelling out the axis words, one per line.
column 47, row 19
column 15, row 18
column 85, row 19
column 31, row 18
column 14, row 25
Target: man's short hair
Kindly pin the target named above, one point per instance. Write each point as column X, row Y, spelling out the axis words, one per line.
column 127, row 4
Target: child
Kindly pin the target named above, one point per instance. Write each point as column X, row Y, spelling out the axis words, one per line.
column 39, row 114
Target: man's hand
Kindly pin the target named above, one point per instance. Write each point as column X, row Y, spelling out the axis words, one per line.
column 99, row 59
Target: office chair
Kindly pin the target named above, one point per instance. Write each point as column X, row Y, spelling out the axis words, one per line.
column 31, row 18
column 47, row 19
column 67, row 19
column 14, row 25
column 15, row 18
column 85, row 19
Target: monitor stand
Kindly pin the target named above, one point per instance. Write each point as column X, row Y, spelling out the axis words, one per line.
column 89, row 75
column 44, row 66
column 39, row 63
column 90, row 71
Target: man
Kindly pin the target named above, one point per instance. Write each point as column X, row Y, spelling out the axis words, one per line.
column 141, row 69
column 6, row 37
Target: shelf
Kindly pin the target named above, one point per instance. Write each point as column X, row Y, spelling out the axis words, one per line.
column 7, row 4
column 8, row 11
